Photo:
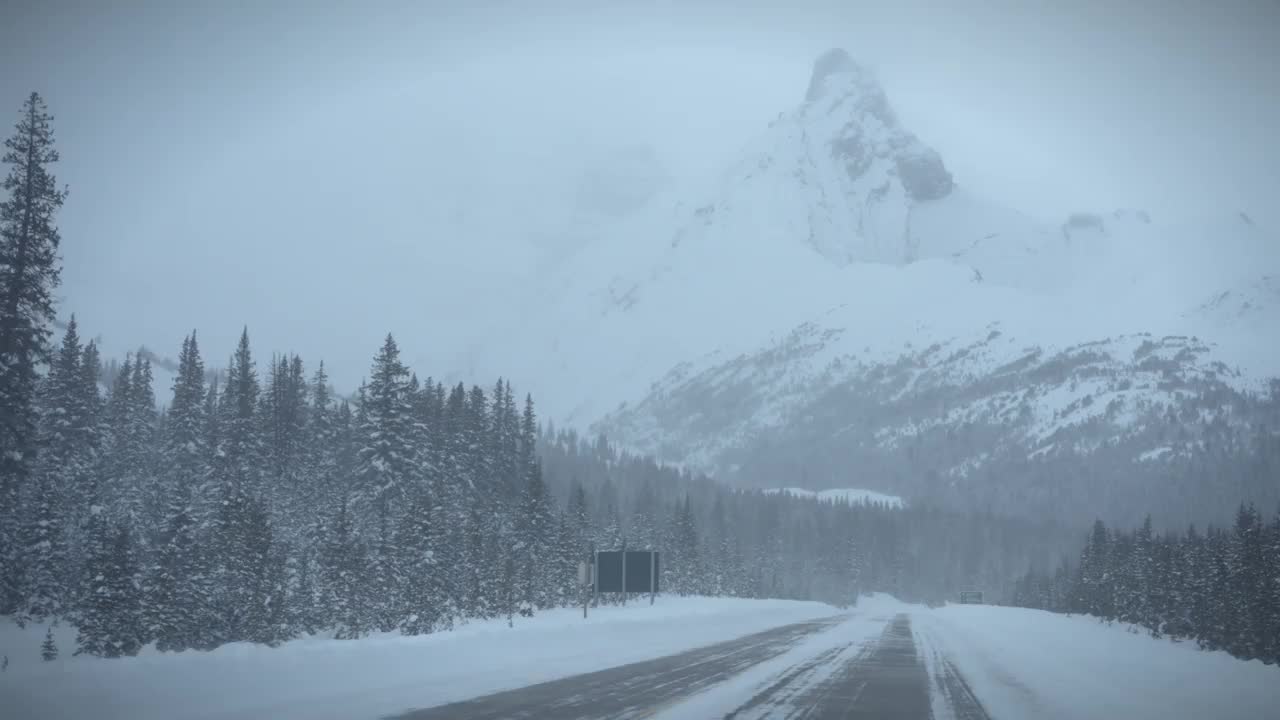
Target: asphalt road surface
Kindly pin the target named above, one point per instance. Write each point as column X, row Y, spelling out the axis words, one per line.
column 628, row 691
column 885, row 679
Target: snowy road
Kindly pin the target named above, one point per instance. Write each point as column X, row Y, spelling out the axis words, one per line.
column 681, row 659
column 631, row 691
column 830, row 669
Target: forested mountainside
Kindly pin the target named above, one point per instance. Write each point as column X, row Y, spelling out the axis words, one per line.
column 1114, row 429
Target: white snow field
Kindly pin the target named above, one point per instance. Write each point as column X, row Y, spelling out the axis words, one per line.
column 1034, row 664
column 853, row 496
column 317, row 678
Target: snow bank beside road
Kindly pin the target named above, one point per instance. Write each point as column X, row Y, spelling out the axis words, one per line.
column 318, row 678
column 1034, row 664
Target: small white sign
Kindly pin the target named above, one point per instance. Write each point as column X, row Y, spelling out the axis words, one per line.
column 584, row 573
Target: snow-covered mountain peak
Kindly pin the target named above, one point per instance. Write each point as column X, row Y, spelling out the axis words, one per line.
column 837, row 284
column 847, row 109
column 836, row 74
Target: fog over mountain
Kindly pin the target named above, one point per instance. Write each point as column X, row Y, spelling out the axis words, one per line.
column 444, row 153
column 840, row 312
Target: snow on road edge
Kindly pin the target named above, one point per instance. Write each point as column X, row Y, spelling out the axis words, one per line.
column 318, row 678
column 1030, row 663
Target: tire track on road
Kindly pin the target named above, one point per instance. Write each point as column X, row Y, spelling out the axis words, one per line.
column 628, row 691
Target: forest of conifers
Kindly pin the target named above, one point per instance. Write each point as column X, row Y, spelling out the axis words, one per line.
column 1220, row 588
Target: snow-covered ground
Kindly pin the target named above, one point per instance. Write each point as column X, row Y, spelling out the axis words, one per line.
column 849, row 495
column 317, row 678
column 1018, row 663
column 1034, row 664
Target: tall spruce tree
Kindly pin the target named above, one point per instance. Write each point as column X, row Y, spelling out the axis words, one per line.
column 389, row 456
column 240, row 450
column 29, row 273
column 185, row 454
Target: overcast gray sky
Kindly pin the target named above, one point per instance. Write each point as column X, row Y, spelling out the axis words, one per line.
column 327, row 171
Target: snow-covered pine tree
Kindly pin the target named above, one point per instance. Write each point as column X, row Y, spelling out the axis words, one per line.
column 418, row 541
column 304, row 614
column 179, row 593
column 563, row 580
column 501, row 447
column 264, row 615
column 1271, row 592
column 481, row 440
column 283, row 413
column 185, row 455
column 109, row 615
column 1135, row 596
column 1220, row 605
column 534, row 528
column 479, row 590
column 29, row 270
column 239, row 455
column 48, row 648
column 386, row 577
column 685, row 567
column 388, row 458
column 1094, row 597
column 47, row 505
column 1247, row 621
column 643, row 525
column 142, row 495
column 580, row 532
column 343, row 588
column 320, row 452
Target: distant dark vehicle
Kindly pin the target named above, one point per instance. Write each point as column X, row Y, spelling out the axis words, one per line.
column 971, row 597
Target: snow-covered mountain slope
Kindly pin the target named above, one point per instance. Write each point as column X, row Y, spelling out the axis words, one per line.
column 838, row 276
column 852, row 496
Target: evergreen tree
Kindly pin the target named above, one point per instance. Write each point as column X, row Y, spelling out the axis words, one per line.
column 535, row 527
column 185, row 453
column 44, row 558
column 343, row 587
column 1246, row 625
column 685, row 568
column 29, row 273
column 305, row 615
column 284, row 414
column 1094, row 595
column 48, row 648
column 388, row 459
column 180, row 596
column 239, row 456
column 109, row 616
column 419, row 542
column 321, row 453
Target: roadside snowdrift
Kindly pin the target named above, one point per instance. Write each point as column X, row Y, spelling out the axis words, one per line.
column 1034, row 664
column 317, row 678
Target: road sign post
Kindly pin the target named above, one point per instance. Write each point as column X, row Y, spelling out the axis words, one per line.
column 584, row 580
column 653, row 580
